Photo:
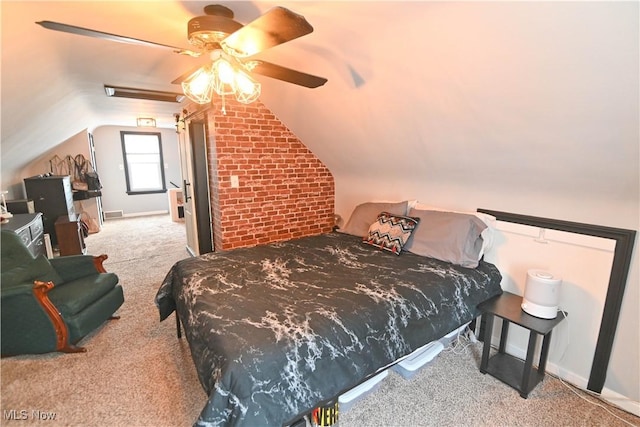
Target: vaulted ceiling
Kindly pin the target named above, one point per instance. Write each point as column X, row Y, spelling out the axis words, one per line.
column 459, row 91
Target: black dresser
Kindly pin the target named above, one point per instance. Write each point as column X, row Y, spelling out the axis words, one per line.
column 53, row 197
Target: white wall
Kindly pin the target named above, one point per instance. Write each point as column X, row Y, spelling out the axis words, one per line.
column 518, row 248
column 525, row 107
column 110, row 167
column 77, row 144
column 623, row 376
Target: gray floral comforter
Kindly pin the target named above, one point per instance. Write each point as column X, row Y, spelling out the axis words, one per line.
column 276, row 329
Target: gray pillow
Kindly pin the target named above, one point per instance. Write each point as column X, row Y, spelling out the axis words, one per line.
column 448, row 236
column 366, row 214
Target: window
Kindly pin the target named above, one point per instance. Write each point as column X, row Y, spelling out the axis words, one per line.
column 143, row 163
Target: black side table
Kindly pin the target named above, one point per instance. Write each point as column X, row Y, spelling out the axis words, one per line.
column 509, row 369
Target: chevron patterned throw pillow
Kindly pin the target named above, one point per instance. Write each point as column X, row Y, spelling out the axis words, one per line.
column 390, row 232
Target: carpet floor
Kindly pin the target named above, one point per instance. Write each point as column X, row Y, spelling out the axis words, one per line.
column 137, row 373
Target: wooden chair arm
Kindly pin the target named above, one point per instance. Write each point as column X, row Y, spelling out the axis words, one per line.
column 98, row 260
column 40, row 291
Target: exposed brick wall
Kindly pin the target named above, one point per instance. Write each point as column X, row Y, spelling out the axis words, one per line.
column 284, row 190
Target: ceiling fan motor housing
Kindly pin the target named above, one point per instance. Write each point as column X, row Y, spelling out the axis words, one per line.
column 206, row 32
column 218, row 10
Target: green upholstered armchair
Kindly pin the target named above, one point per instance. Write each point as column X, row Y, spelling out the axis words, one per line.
column 50, row 304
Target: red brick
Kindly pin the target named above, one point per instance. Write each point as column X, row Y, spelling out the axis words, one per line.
column 285, row 191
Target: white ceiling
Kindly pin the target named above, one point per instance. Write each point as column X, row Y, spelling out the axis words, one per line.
column 460, row 92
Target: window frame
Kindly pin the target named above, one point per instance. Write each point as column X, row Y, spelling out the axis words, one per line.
column 130, row 192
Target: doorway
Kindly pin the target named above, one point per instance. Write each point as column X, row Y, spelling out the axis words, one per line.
column 195, row 179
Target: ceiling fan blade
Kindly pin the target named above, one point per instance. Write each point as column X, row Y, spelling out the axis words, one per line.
column 185, row 76
column 287, row 74
column 72, row 29
column 278, row 25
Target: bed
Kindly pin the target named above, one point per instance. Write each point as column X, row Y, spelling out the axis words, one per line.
column 275, row 330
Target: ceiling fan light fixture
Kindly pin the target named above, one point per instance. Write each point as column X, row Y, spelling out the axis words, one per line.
column 199, row 85
column 247, row 89
column 225, row 71
column 218, row 34
column 224, row 76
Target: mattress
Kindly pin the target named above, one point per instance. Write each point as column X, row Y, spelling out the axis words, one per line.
column 275, row 330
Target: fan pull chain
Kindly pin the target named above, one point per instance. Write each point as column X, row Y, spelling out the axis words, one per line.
column 224, row 107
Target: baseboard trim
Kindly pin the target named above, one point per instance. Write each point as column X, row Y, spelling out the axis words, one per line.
column 129, row 215
column 136, row 214
column 621, row 401
column 615, row 398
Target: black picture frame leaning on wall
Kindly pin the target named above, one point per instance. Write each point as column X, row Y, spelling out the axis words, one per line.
column 617, row 280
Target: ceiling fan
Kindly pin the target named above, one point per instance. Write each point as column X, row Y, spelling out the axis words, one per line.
column 230, row 46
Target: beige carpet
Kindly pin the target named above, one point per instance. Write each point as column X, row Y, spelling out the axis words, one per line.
column 137, row 373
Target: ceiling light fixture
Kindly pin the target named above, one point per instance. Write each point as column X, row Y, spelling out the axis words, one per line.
column 225, row 76
column 146, row 122
column 135, row 93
